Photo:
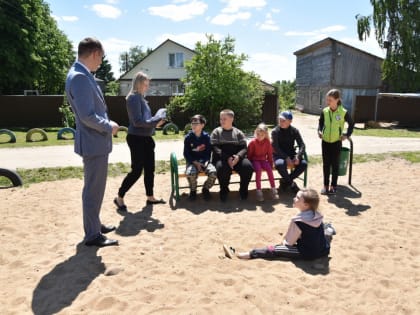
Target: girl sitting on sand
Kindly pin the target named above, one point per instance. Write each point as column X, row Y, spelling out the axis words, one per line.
column 260, row 153
column 306, row 237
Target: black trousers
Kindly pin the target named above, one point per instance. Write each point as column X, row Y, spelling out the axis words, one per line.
column 142, row 151
column 243, row 168
column 275, row 251
column 331, row 161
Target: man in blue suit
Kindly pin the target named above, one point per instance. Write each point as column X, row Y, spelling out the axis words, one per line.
column 93, row 140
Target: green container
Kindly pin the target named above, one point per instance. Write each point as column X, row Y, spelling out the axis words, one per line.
column 344, row 161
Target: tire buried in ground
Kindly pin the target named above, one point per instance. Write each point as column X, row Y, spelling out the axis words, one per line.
column 11, row 135
column 33, row 131
column 62, row 131
column 170, row 128
column 121, row 128
column 14, row 177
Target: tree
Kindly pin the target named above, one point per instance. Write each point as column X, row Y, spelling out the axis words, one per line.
column 112, row 88
column 130, row 58
column 397, row 29
column 215, row 81
column 104, row 71
column 287, row 93
column 34, row 53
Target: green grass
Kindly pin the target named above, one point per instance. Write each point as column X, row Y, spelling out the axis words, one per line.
column 410, row 156
column 387, row 133
column 52, row 138
column 38, row 175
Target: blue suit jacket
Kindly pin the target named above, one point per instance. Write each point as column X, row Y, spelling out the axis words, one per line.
column 93, row 128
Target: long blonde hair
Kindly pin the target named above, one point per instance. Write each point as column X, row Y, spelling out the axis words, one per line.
column 262, row 128
column 138, row 78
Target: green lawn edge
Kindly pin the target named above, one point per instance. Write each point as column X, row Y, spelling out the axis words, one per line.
column 39, row 175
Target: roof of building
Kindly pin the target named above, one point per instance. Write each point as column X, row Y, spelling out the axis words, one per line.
column 148, row 55
column 264, row 83
column 325, row 42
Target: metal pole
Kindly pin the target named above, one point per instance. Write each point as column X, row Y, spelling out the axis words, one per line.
column 351, row 160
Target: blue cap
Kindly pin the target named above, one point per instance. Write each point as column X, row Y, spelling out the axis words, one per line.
column 287, row 115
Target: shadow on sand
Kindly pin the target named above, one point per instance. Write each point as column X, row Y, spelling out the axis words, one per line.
column 344, row 199
column 233, row 203
column 61, row 286
column 133, row 223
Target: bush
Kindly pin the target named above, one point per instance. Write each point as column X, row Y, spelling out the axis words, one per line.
column 68, row 118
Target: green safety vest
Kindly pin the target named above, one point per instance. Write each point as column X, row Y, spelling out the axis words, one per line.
column 333, row 124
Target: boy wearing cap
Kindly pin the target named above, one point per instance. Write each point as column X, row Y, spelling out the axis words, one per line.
column 284, row 137
column 197, row 153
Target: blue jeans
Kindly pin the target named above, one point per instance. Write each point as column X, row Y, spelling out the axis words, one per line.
column 281, row 167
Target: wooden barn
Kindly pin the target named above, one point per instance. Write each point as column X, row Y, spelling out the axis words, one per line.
column 329, row 64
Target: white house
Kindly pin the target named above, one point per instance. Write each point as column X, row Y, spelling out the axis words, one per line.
column 165, row 65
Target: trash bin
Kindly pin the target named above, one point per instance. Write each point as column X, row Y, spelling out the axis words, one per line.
column 344, row 161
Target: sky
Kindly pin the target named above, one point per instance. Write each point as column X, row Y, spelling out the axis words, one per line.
column 267, row 31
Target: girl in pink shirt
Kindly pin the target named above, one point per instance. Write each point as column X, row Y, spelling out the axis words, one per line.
column 260, row 153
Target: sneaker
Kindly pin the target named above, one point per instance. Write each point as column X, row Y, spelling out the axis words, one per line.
column 283, row 185
column 260, row 196
column 329, row 229
column 193, row 195
column 223, row 196
column 243, row 194
column 229, row 251
column 332, row 191
column 206, row 194
column 274, row 193
column 294, row 187
column 324, row 191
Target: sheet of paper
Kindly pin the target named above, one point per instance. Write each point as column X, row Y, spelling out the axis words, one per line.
column 160, row 114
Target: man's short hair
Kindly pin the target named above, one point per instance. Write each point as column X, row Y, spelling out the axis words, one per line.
column 228, row 112
column 89, row 45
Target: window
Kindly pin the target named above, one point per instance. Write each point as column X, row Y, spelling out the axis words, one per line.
column 177, row 88
column 176, row 60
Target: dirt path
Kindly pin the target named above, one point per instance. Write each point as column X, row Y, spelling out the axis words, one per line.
column 55, row 156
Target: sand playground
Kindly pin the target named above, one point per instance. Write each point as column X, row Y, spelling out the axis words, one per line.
column 170, row 258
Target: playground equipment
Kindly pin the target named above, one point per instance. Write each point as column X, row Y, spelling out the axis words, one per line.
column 14, row 177
column 62, row 131
column 121, row 128
column 178, row 172
column 170, row 128
column 10, row 133
column 33, row 131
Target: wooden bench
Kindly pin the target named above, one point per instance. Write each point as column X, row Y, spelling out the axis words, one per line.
column 178, row 172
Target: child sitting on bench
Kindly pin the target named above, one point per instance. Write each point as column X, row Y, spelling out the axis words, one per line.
column 197, row 153
column 229, row 153
column 260, row 153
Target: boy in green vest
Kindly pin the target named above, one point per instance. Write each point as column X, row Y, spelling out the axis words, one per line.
column 331, row 131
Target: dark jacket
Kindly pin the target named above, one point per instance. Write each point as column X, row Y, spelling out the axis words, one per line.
column 227, row 143
column 140, row 116
column 197, row 148
column 284, row 141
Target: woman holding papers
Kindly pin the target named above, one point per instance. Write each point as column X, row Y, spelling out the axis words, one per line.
column 139, row 138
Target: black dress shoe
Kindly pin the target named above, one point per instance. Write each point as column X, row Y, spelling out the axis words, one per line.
column 155, row 202
column 101, row 241
column 107, row 228
column 122, row 208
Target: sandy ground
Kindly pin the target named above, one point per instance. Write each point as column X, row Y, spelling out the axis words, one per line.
column 170, row 259
column 56, row 156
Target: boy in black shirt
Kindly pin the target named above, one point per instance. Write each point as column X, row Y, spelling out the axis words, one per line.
column 229, row 153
